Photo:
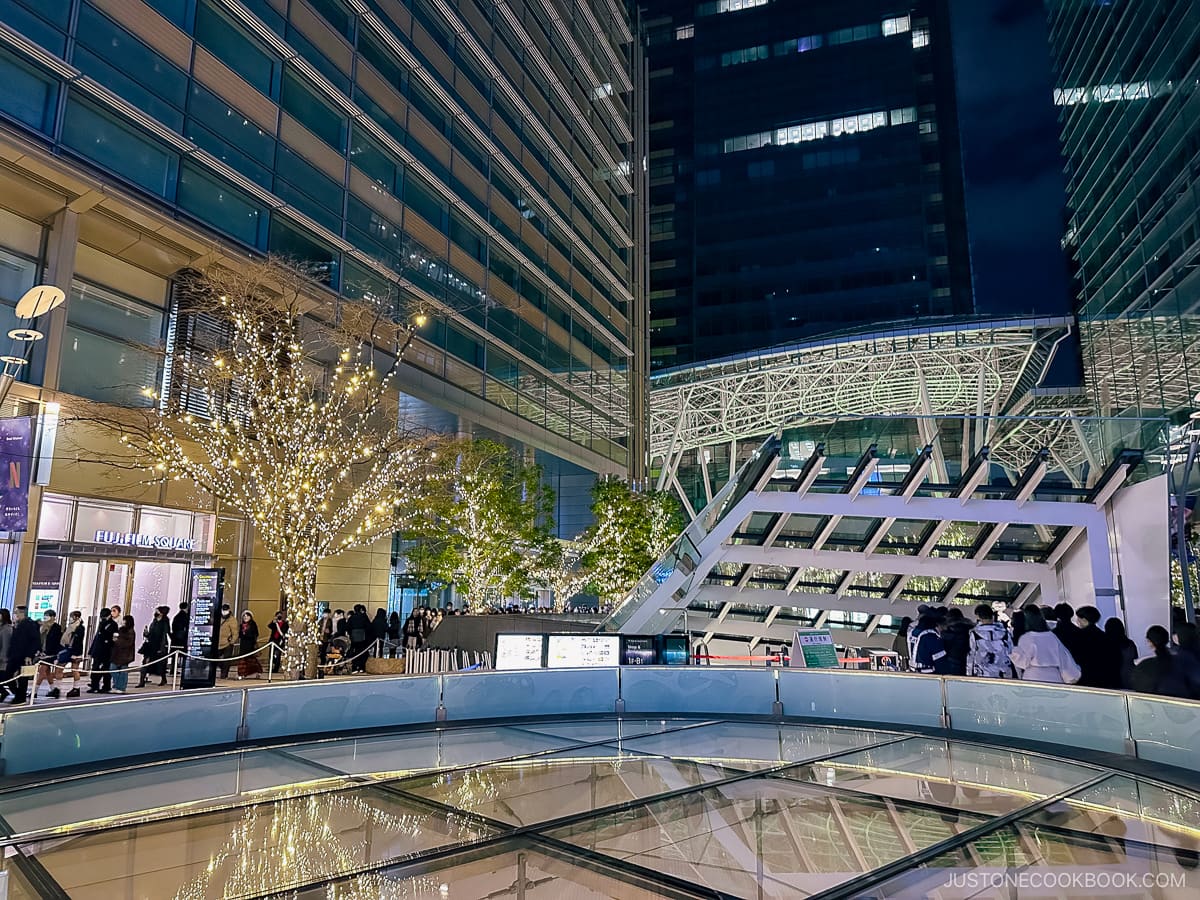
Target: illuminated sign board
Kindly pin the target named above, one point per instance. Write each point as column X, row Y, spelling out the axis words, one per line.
column 583, row 651
column 519, row 651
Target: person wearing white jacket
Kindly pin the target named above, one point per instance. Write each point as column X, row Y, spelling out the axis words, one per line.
column 1040, row 656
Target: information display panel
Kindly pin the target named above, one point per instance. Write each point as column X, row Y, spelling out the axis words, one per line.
column 673, row 650
column 519, row 651
column 582, row 651
column 813, row 648
column 638, row 650
column 204, row 626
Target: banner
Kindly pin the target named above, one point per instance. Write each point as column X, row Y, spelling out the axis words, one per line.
column 16, row 454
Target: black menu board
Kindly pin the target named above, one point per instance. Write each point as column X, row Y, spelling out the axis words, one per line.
column 204, row 627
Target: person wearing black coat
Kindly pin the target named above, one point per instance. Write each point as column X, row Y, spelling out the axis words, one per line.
column 957, row 640
column 1098, row 657
column 1164, row 673
column 154, row 648
column 101, row 653
column 1066, row 630
column 23, row 647
column 359, row 628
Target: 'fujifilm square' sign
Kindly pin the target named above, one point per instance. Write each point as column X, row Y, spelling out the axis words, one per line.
column 148, row 541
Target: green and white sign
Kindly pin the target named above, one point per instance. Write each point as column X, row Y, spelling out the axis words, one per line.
column 813, row 648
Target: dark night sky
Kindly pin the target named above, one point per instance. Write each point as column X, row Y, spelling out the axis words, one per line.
column 1015, row 183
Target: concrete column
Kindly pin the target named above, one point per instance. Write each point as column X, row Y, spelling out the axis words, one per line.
column 60, row 270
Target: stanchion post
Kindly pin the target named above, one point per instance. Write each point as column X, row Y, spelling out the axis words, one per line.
column 270, row 661
column 175, row 679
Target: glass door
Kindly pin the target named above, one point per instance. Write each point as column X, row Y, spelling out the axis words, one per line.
column 83, row 588
column 116, row 585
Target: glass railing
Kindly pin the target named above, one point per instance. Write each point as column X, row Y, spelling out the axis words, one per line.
column 79, row 736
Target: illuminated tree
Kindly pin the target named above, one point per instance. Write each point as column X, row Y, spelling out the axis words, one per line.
column 289, row 420
column 559, row 569
column 490, row 526
column 632, row 530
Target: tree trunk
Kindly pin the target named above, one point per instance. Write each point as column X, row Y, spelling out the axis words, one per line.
column 298, row 581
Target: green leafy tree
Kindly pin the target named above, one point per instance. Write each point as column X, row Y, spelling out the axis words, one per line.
column 490, row 524
column 632, row 530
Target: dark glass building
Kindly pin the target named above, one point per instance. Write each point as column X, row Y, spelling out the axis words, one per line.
column 479, row 156
column 805, row 173
column 1128, row 89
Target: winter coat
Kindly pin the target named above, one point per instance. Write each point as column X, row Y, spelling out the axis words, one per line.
column 122, row 648
column 101, row 649
column 6, row 632
column 1040, row 656
column 247, row 636
column 26, row 638
column 229, row 633
column 179, row 629
column 991, row 651
column 157, row 638
column 74, row 640
column 1169, row 674
column 51, row 641
column 1099, row 659
column 957, row 640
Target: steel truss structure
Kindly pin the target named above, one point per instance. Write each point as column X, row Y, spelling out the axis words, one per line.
column 809, row 545
column 982, row 367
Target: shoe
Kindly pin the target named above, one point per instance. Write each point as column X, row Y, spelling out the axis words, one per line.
column 74, row 692
column 17, row 701
column 115, row 691
column 163, row 683
column 142, row 683
column 54, row 694
column 92, row 691
column 104, row 691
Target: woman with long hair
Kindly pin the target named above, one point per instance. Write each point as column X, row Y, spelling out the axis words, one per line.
column 1040, row 655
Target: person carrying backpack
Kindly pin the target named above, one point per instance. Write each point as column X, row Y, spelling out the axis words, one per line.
column 991, row 646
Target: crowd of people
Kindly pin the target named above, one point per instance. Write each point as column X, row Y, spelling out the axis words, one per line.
column 1058, row 645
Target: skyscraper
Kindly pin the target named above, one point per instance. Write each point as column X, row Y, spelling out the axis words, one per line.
column 1127, row 76
column 804, row 171
column 477, row 155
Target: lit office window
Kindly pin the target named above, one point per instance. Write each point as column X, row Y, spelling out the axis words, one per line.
column 920, row 38
column 683, row 32
column 815, row 131
column 898, row 25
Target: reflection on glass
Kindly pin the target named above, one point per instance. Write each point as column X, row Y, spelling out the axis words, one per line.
column 766, row 837
column 399, row 755
column 521, row 872
column 751, row 746
column 166, row 789
column 540, row 790
column 247, row 852
column 947, row 773
column 1130, row 810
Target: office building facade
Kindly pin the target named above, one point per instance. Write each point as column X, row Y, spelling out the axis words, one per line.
column 1129, row 110
column 805, row 175
column 478, row 157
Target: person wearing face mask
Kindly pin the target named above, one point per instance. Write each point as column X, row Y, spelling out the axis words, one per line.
column 1163, row 672
column 101, row 653
column 71, row 654
column 50, row 641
